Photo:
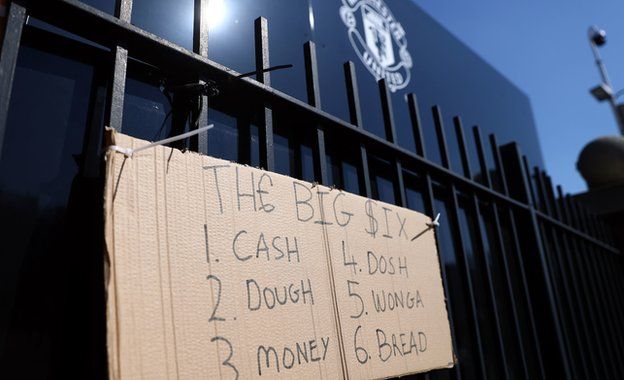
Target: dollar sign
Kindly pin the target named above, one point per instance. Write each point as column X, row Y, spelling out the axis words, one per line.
column 374, row 226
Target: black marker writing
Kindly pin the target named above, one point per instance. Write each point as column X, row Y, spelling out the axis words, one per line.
column 301, row 202
column 240, row 195
column 216, row 179
column 347, row 214
column 373, row 224
column 267, row 207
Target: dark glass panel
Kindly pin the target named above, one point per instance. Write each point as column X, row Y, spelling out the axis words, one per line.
column 51, row 274
column 231, row 38
column 171, row 20
column 343, row 164
column 255, row 146
column 284, row 154
column 307, row 163
column 294, row 145
column 413, row 193
column 148, row 114
column 223, row 137
column 382, row 180
column 350, row 178
column 107, row 6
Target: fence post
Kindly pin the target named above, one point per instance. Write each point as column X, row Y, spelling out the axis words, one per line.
column 517, row 183
column 261, row 39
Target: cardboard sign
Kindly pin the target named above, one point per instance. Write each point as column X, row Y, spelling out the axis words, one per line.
column 221, row 270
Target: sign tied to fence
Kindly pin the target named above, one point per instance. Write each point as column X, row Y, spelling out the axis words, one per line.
column 221, row 270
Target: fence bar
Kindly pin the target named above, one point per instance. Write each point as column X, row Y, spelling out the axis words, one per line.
column 525, row 288
column 573, row 217
column 314, row 98
column 429, row 201
column 355, row 115
column 81, row 19
column 606, row 232
column 553, row 263
column 565, row 216
column 600, row 232
column 386, row 108
column 391, row 135
column 441, row 135
column 419, row 141
column 614, row 281
column 485, row 173
column 200, row 46
column 402, row 200
column 605, row 296
column 580, row 223
column 541, row 191
column 471, row 293
column 500, row 247
column 565, row 299
column 461, row 142
column 261, row 36
column 586, row 261
column 517, row 175
column 577, row 282
column 496, row 152
column 614, row 325
column 498, row 163
column 531, row 185
column 481, row 238
column 589, row 222
column 590, row 296
column 550, row 193
column 116, row 95
column 509, row 285
column 16, row 19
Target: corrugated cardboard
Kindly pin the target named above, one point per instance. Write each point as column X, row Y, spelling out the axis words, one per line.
column 222, row 270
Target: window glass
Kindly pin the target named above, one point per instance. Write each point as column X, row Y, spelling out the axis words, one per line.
column 350, row 177
column 223, row 138
column 255, row 146
column 383, row 184
column 147, row 114
column 284, row 154
column 171, row 20
column 51, row 314
column 307, row 163
column 231, row 38
column 107, row 6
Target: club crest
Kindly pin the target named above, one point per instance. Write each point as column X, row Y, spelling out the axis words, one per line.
column 379, row 40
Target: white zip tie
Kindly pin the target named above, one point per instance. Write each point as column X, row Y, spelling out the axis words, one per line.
column 130, row 152
column 435, row 222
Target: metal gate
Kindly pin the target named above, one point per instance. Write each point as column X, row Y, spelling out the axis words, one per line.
column 532, row 279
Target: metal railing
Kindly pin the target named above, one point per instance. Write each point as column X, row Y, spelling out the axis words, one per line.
column 532, row 279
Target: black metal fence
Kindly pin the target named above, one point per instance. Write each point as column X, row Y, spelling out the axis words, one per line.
column 532, row 279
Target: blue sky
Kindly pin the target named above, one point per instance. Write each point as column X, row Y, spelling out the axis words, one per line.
column 542, row 47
